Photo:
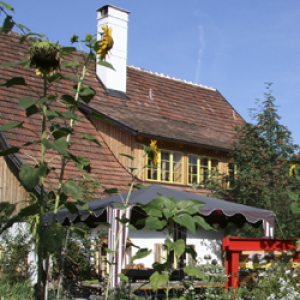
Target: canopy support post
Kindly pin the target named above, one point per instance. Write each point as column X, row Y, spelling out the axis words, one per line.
column 117, row 258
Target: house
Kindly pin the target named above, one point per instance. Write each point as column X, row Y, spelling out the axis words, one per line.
column 192, row 124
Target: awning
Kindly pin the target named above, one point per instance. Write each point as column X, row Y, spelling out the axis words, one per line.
column 214, row 210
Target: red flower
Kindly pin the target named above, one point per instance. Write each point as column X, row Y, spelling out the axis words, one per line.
column 260, row 184
column 287, row 130
column 263, row 127
column 247, row 147
column 282, row 159
column 264, row 156
column 238, row 176
column 280, row 141
column 271, row 108
column 266, row 192
column 232, row 143
column 230, row 162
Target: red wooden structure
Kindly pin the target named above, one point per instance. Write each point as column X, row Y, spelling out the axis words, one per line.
column 233, row 246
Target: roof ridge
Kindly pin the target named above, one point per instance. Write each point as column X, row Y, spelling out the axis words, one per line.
column 173, row 78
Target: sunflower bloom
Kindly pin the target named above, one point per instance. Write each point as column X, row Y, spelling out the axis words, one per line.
column 38, row 72
column 45, row 57
column 106, row 42
column 154, row 153
column 292, row 172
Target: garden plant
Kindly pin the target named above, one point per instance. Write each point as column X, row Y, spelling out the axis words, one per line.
column 260, row 161
column 258, row 168
column 57, row 134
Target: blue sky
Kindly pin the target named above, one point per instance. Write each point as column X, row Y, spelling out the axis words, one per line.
column 235, row 46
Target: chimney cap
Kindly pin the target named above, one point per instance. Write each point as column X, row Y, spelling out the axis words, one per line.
column 115, row 7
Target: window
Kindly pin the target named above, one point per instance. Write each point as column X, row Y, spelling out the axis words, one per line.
column 189, row 257
column 231, row 174
column 201, row 169
column 169, row 169
column 161, row 254
column 101, row 260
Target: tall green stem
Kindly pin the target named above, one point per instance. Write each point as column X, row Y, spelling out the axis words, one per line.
column 41, row 198
column 64, row 160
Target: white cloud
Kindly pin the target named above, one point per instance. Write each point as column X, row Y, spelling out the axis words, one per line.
column 200, row 52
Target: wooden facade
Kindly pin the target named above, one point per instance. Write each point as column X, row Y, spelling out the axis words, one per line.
column 121, row 142
column 10, row 188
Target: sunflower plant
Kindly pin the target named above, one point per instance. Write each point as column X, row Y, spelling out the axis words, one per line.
column 102, row 47
column 169, row 214
column 56, row 134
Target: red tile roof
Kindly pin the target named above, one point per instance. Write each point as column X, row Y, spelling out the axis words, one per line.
column 167, row 108
column 104, row 165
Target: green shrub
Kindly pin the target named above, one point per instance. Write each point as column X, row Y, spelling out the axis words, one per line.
column 22, row 290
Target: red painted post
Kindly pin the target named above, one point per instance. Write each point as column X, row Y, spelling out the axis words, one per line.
column 233, row 247
column 232, row 269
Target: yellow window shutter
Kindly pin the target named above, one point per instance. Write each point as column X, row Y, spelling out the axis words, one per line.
column 190, row 260
column 158, row 253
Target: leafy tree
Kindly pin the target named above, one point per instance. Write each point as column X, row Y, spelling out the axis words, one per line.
column 258, row 166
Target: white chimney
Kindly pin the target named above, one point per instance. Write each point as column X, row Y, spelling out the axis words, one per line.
column 117, row 19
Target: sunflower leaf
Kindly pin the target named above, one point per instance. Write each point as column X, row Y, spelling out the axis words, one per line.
column 14, row 63
column 89, row 137
column 23, row 27
column 105, row 64
column 87, row 94
column 8, row 7
column 23, row 38
column 26, row 102
column 14, row 81
column 8, row 151
column 11, row 125
column 126, row 155
column 8, row 24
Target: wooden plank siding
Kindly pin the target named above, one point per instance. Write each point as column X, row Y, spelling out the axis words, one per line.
column 120, row 141
column 10, row 189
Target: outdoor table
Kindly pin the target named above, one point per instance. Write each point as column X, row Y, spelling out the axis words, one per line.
column 144, row 274
column 147, row 285
column 176, row 285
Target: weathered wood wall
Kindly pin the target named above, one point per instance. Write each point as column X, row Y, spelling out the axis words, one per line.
column 10, row 189
column 121, row 142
